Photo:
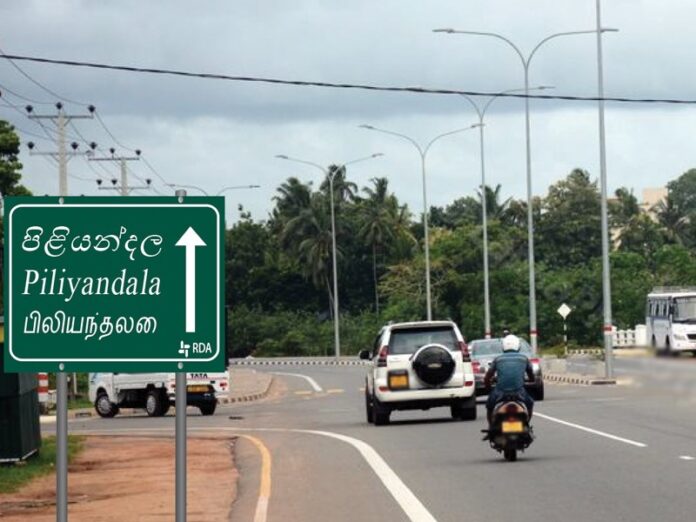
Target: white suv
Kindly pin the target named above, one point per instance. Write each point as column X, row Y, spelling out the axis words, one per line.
column 418, row 366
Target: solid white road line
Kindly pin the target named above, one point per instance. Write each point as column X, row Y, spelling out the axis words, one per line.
column 590, row 430
column 311, row 381
column 409, row 503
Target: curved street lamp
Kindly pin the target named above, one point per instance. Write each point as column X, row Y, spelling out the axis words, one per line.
column 526, row 61
column 423, row 151
column 331, row 175
column 218, row 193
column 481, row 112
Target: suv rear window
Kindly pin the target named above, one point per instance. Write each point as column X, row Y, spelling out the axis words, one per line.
column 408, row 340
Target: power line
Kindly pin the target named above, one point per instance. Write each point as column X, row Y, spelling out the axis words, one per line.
column 364, row 87
column 37, row 83
column 22, row 97
column 92, row 109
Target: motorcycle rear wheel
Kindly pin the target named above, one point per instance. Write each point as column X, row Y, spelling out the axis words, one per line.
column 510, row 454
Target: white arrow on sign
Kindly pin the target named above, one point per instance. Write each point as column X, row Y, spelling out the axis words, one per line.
column 190, row 240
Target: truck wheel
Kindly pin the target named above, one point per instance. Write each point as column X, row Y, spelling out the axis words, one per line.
column 208, row 409
column 104, row 407
column 154, row 403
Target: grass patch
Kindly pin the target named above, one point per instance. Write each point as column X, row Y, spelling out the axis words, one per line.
column 80, row 402
column 13, row 477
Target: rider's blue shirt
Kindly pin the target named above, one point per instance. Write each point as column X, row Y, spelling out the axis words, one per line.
column 510, row 368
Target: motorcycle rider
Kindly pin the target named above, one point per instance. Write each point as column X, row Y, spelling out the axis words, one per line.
column 510, row 367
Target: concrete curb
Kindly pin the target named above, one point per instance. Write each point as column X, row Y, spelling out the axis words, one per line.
column 249, row 397
column 585, row 380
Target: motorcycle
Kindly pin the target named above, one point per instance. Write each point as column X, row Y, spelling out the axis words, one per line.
column 510, row 430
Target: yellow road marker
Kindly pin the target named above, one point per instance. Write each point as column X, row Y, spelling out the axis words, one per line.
column 303, row 392
column 261, row 514
column 335, row 390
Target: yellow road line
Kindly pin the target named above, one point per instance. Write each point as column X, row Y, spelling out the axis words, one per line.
column 261, row 514
column 335, row 390
column 303, row 392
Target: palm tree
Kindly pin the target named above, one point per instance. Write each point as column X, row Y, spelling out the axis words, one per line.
column 344, row 190
column 377, row 226
column 308, row 236
column 494, row 208
column 671, row 217
column 293, row 196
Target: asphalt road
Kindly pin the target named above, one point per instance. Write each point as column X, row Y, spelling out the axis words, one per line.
column 601, row 454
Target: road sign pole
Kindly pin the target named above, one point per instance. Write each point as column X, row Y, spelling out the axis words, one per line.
column 565, row 336
column 62, row 448
column 180, row 447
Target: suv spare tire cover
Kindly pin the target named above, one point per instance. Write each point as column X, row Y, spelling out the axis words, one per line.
column 433, row 364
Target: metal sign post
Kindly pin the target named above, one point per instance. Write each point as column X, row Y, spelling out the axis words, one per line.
column 180, row 447
column 114, row 285
column 564, row 310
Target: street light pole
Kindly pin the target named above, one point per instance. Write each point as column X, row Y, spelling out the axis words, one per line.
column 481, row 112
column 606, row 268
column 526, row 61
column 218, row 193
column 423, row 151
column 331, row 175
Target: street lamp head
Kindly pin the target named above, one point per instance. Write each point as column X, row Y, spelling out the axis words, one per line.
column 377, row 155
column 446, row 30
column 254, row 186
column 610, row 30
column 281, row 156
column 366, row 126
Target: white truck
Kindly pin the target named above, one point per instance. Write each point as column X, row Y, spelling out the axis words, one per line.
column 155, row 392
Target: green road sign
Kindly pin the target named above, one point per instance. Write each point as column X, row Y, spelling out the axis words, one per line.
column 114, row 284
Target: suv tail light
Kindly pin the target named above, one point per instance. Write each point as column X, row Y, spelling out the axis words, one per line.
column 465, row 351
column 382, row 357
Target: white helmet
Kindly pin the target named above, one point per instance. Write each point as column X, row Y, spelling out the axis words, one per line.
column 511, row 343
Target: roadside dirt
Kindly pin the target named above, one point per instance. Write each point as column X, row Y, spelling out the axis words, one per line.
column 124, row 479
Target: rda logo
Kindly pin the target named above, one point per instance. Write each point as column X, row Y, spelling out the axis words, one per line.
column 196, row 348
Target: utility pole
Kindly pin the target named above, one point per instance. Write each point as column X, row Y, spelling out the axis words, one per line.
column 124, row 187
column 62, row 155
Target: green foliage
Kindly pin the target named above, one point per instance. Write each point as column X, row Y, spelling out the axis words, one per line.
column 14, row 477
column 279, row 273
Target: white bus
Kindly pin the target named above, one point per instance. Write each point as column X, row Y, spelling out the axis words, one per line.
column 671, row 320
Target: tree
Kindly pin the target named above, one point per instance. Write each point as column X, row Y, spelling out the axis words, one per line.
column 308, row 235
column 10, row 176
column 672, row 218
column 569, row 231
column 377, row 227
column 10, row 167
column 623, row 208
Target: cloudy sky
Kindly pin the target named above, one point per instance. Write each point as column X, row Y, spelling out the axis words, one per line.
column 214, row 134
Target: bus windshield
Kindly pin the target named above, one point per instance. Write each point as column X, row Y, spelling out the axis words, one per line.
column 684, row 310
